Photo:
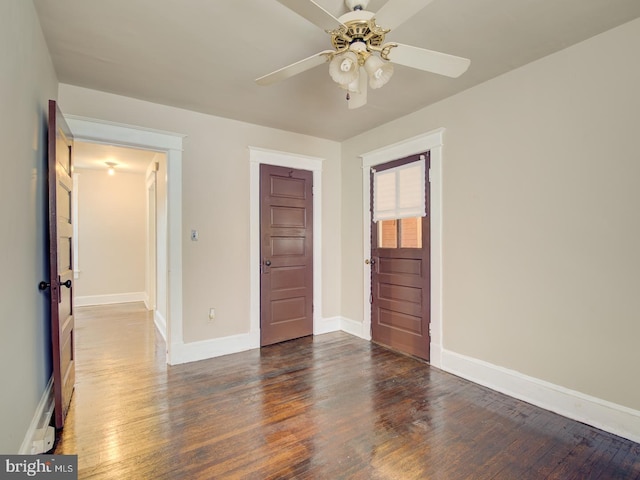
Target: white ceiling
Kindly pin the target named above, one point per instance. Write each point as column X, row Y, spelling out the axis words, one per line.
column 204, row 55
column 95, row 156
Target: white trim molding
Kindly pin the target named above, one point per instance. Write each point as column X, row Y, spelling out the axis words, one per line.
column 215, row 347
column 355, row 328
column 608, row 416
column 257, row 157
column 432, row 142
column 40, row 421
column 76, row 224
column 161, row 324
column 326, row 325
column 100, row 131
column 109, row 299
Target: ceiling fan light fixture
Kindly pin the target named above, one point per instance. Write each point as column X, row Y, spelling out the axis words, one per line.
column 379, row 71
column 354, row 86
column 343, row 68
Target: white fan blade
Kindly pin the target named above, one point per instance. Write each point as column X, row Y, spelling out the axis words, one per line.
column 429, row 61
column 295, row 68
column 313, row 12
column 358, row 98
column 395, row 12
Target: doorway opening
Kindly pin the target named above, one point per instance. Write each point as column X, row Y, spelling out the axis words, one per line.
column 168, row 291
column 115, row 209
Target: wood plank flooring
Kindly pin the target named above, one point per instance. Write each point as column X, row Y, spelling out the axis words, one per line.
column 326, row 407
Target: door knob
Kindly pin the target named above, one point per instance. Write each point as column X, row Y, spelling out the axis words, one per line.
column 267, row 263
column 370, row 262
column 44, row 285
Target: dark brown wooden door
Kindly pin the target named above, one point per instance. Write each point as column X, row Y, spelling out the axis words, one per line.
column 286, row 232
column 60, row 261
column 400, row 280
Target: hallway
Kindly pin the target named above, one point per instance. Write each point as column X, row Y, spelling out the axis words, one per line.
column 325, row 407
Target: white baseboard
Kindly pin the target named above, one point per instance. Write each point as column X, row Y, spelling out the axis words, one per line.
column 216, row 347
column 602, row 414
column 161, row 324
column 326, row 325
column 147, row 302
column 89, row 300
column 354, row 328
column 41, row 419
column 435, row 354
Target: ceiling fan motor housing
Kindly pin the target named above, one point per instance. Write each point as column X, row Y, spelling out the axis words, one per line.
column 359, row 26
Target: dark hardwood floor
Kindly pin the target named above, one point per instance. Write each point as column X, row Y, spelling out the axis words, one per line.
column 328, row 407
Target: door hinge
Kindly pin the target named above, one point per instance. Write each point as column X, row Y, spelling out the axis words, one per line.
column 429, row 175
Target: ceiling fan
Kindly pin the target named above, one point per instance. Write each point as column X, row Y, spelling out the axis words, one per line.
column 359, row 49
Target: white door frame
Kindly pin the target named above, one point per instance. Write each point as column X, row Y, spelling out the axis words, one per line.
column 98, row 131
column 258, row 156
column 152, row 231
column 432, row 142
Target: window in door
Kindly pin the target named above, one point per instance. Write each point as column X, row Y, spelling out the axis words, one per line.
column 402, row 233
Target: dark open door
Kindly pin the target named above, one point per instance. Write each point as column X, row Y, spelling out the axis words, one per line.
column 286, row 249
column 400, row 277
column 60, row 259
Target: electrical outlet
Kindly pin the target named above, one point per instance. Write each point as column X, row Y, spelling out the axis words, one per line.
column 212, row 314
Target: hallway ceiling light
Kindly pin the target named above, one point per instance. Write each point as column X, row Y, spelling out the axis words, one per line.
column 112, row 167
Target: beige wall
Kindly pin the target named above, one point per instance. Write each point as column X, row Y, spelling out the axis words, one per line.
column 111, row 233
column 540, row 217
column 27, row 82
column 215, row 202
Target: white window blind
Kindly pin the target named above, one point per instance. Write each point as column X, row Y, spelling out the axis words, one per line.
column 399, row 192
